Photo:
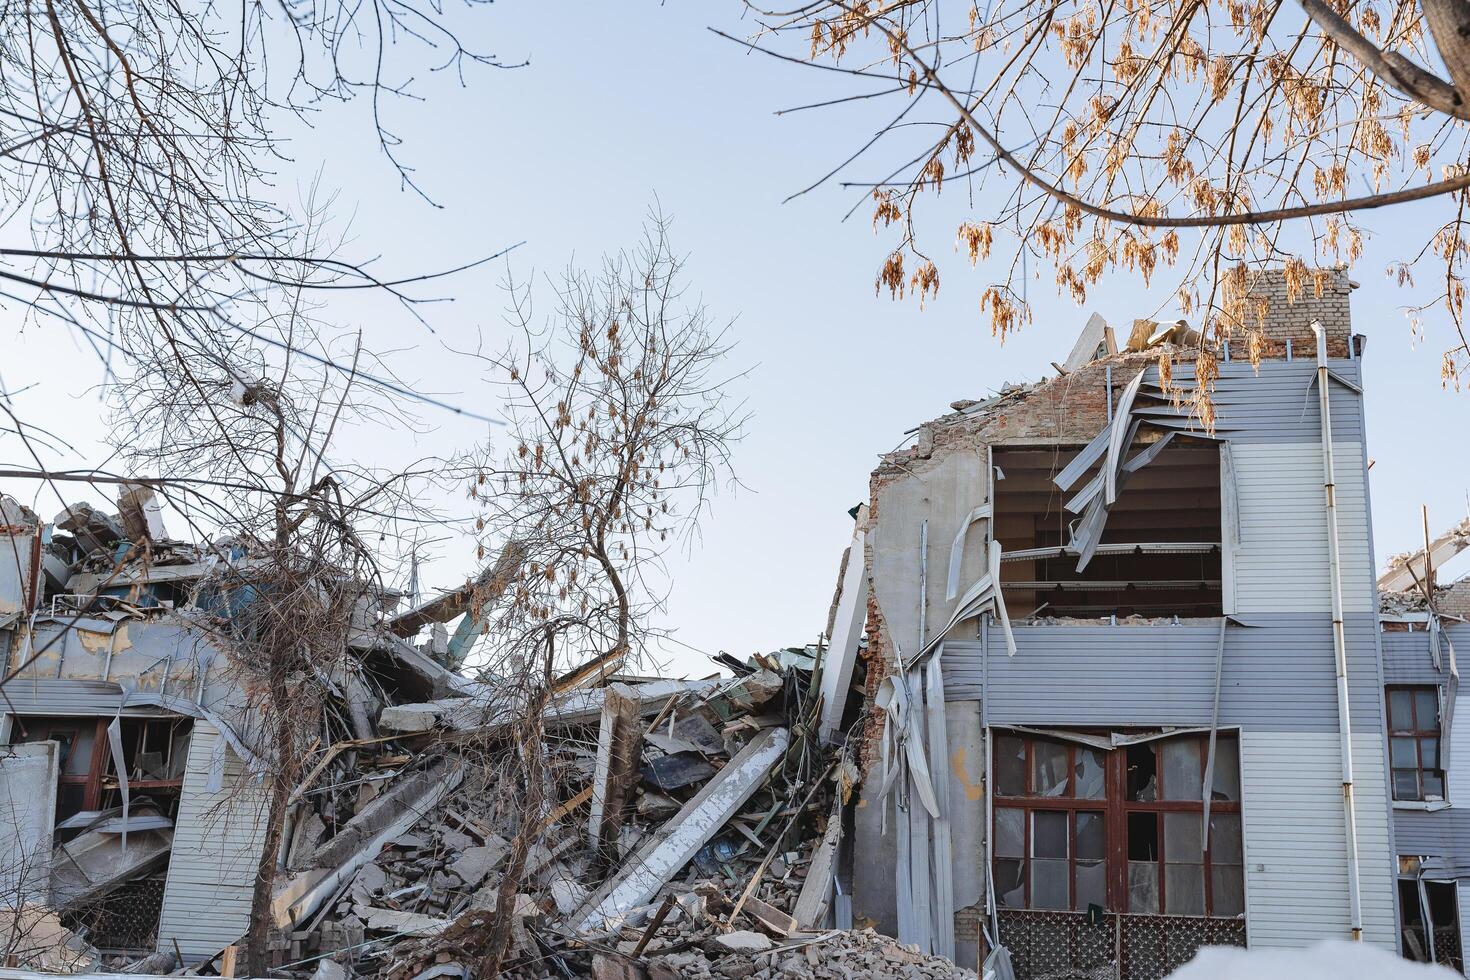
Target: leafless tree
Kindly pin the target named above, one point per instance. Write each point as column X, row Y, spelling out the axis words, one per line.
column 138, row 145
column 620, row 428
column 300, row 537
column 1209, row 138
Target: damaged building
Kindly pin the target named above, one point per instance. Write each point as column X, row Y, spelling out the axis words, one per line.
column 1128, row 666
column 1100, row 685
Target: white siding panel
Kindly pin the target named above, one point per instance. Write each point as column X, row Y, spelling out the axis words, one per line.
column 217, row 844
column 1295, row 851
column 1280, row 564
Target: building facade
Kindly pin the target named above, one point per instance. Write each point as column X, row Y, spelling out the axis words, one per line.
column 1131, row 667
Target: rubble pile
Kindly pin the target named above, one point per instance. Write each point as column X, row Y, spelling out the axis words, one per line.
column 836, row 955
column 665, row 832
column 675, row 827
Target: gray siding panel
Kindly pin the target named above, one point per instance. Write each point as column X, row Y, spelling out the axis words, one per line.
column 218, row 839
column 50, row 696
column 1280, row 403
column 1406, row 657
column 1279, row 677
column 960, row 662
column 1441, row 833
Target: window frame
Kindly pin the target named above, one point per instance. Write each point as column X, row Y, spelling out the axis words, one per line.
column 1419, row 735
column 1115, row 808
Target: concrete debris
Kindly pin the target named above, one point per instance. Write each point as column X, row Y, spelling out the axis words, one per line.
column 676, row 827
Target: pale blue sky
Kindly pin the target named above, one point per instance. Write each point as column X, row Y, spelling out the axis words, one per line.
column 624, row 102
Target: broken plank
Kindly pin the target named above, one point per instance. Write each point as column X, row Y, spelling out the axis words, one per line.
column 770, row 917
column 618, row 742
column 672, row 846
column 565, row 808
column 816, row 890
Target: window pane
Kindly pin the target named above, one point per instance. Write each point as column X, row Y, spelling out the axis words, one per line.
column 69, row 800
column 1089, row 774
column 1426, row 709
column 1227, row 769
column 1400, row 711
column 1406, row 784
column 1142, row 773
column 1092, row 885
column 1225, row 838
column 1401, row 752
column 1010, row 832
column 1143, row 837
column 1010, row 766
column 79, row 762
column 1227, row 889
column 1429, row 753
column 1143, row 886
column 1091, row 837
column 1184, row 889
column 1049, row 834
column 1182, row 838
column 1432, row 783
column 1009, row 888
column 1183, row 769
column 1048, row 769
column 1049, row 888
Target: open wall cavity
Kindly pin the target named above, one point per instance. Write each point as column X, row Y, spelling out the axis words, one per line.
column 1160, row 552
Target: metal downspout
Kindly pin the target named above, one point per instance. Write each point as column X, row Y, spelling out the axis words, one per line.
column 1339, row 638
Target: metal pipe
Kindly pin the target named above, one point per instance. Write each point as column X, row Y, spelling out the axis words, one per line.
column 923, row 583
column 1108, row 371
column 1339, row 637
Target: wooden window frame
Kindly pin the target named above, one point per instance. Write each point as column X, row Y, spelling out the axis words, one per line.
column 1419, row 734
column 1115, row 808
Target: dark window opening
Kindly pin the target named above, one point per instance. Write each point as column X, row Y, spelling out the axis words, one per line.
column 1413, row 743
column 1174, row 500
column 1077, row 826
column 1440, row 942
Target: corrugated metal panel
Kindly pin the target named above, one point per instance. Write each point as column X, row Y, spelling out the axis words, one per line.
column 1280, row 562
column 1407, row 660
column 1279, row 675
column 1441, row 833
column 52, row 696
column 960, row 661
column 217, row 845
column 1279, row 404
column 1295, row 851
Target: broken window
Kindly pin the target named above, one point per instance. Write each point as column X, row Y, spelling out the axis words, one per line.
column 154, row 752
column 1059, row 804
column 1413, row 743
column 1430, row 915
column 1160, row 548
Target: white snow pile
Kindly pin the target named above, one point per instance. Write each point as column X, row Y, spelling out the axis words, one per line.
column 1331, row 960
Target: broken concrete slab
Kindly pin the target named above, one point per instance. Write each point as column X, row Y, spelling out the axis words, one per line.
column 28, row 776
column 388, row 816
column 474, row 863
column 401, row 923
column 740, row 941
column 92, row 864
column 660, row 857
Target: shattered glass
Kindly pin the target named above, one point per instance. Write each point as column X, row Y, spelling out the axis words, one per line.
column 1049, row 768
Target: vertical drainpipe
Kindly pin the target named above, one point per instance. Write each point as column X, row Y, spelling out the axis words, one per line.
column 1339, row 638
